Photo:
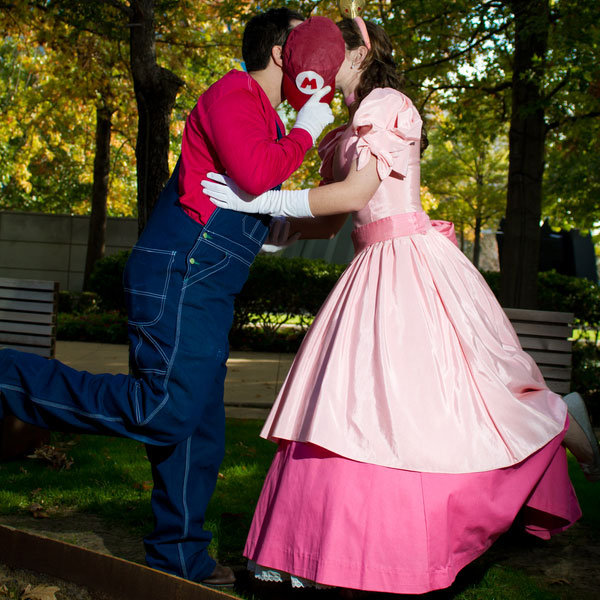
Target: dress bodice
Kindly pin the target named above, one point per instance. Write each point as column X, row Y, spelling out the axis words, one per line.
column 388, row 127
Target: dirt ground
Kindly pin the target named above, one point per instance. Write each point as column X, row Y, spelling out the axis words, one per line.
column 569, row 564
column 87, row 531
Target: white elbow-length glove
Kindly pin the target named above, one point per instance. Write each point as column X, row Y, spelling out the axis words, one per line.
column 279, row 236
column 315, row 115
column 225, row 193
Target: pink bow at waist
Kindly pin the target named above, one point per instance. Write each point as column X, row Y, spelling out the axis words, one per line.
column 398, row 226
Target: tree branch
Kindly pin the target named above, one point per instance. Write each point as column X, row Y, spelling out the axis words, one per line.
column 490, row 90
column 120, row 6
column 560, row 122
column 313, row 6
column 193, row 45
column 558, row 87
column 483, row 7
column 421, row 107
column 455, row 55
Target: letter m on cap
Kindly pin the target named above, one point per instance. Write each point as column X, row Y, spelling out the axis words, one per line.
column 309, row 82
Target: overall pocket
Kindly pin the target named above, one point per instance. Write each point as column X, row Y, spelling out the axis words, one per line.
column 254, row 229
column 146, row 281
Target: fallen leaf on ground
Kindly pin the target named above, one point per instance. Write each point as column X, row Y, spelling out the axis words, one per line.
column 56, row 459
column 145, row 486
column 559, row 581
column 40, row 592
column 38, row 511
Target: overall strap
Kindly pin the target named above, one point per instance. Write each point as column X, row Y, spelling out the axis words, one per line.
column 279, row 136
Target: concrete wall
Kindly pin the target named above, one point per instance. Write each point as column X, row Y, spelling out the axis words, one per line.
column 53, row 247
column 338, row 250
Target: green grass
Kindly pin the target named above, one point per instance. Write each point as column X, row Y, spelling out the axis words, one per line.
column 111, row 477
column 499, row 583
column 107, row 479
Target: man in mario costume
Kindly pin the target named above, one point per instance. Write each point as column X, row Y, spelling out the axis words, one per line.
column 180, row 282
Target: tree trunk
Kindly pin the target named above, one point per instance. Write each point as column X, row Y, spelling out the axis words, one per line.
column 518, row 282
column 155, row 92
column 477, row 241
column 97, row 230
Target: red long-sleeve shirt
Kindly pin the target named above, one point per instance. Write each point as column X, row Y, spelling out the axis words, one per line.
column 233, row 130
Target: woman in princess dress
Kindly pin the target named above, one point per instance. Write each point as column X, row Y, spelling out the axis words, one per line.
column 411, row 428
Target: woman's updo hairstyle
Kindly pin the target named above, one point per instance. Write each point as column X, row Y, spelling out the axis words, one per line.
column 379, row 69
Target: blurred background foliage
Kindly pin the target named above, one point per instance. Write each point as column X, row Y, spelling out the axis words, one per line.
column 60, row 61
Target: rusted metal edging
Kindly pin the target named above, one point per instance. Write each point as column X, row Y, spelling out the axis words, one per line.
column 117, row 578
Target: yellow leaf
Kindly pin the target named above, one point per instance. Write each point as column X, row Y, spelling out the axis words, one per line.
column 40, row 592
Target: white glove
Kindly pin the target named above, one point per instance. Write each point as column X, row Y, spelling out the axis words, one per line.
column 225, row 193
column 315, row 115
column 279, row 235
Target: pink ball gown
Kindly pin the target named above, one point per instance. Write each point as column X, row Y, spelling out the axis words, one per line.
column 412, row 427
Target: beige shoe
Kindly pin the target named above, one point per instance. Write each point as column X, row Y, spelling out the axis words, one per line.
column 578, row 412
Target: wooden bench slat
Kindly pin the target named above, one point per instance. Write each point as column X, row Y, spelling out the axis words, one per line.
column 38, row 296
column 30, row 328
column 40, row 351
column 551, row 344
column 559, row 387
column 550, row 358
column 25, row 339
column 544, row 316
column 29, row 284
column 543, row 330
column 27, row 317
column 37, row 307
column 556, row 373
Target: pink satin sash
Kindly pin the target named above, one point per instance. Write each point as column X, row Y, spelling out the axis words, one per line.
column 398, row 226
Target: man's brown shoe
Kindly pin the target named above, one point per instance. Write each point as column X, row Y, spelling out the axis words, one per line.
column 221, row 577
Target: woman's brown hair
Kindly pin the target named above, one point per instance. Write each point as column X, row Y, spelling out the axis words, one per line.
column 379, row 69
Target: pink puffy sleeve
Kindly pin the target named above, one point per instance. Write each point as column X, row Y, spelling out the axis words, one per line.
column 326, row 153
column 387, row 125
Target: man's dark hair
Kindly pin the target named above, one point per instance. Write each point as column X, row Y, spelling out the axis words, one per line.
column 264, row 31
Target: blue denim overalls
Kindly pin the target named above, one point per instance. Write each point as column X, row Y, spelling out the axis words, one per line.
column 180, row 283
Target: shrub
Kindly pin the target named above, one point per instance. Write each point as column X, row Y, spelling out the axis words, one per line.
column 571, row 294
column 106, row 281
column 106, row 328
column 586, row 375
column 77, row 302
column 281, row 288
column 563, row 293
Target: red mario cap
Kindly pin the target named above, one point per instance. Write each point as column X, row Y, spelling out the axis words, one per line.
column 312, row 56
